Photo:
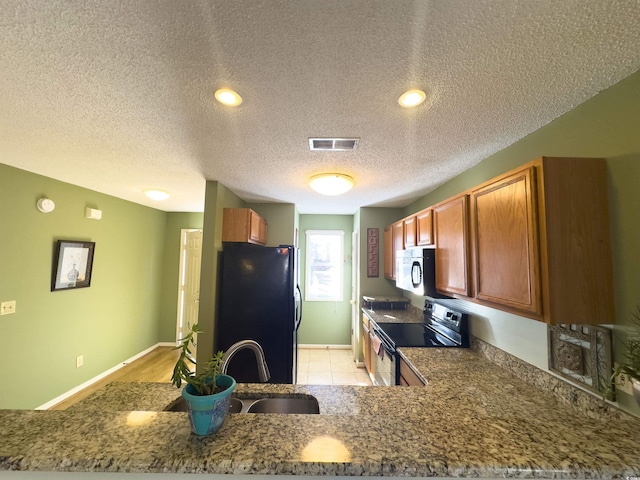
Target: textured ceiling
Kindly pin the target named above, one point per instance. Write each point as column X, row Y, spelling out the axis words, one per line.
column 117, row 96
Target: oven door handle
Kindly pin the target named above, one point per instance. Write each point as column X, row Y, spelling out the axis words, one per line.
column 387, row 348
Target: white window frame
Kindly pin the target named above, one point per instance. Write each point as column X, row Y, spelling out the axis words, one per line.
column 309, row 291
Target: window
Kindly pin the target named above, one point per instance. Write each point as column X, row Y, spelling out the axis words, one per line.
column 324, row 265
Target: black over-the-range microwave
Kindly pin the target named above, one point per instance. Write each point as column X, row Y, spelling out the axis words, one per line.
column 416, row 271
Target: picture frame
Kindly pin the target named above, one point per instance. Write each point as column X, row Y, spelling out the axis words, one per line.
column 72, row 265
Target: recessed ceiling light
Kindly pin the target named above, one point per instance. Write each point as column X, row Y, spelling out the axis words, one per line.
column 412, row 98
column 157, row 195
column 331, row 183
column 228, row 97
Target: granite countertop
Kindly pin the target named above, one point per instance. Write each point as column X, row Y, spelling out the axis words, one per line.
column 473, row 419
column 412, row 314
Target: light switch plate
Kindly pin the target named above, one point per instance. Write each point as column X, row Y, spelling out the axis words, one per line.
column 7, row 308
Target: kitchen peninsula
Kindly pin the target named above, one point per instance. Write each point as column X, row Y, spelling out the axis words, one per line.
column 473, row 419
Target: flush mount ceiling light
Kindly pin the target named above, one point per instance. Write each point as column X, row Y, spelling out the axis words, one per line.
column 331, row 183
column 157, row 195
column 228, row 97
column 412, row 98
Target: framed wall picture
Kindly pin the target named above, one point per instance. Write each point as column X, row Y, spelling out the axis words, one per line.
column 373, row 257
column 72, row 265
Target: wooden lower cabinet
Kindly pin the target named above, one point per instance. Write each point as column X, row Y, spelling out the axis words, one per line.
column 452, row 252
column 408, row 378
column 367, row 348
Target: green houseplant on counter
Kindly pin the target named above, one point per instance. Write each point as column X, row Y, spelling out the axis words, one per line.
column 631, row 366
column 208, row 392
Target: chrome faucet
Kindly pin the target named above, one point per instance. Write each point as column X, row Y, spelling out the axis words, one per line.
column 263, row 370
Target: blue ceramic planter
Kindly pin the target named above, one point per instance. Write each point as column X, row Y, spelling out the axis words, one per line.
column 207, row 413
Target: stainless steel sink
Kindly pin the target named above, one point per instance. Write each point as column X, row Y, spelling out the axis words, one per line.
column 308, row 405
column 305, row 404
column 235, row 405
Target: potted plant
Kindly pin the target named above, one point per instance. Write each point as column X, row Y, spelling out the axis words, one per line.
column 208, row 392
column 631, row 367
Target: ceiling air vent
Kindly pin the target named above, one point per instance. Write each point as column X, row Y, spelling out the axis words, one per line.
column 333, row 144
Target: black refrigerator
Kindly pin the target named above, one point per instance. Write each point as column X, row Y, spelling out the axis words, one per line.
column 259, row 299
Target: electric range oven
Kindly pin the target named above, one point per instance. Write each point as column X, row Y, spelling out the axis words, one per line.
column 441, row 328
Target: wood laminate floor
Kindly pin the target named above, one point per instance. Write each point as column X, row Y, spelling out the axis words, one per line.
column 155, row 366
column 315, row 366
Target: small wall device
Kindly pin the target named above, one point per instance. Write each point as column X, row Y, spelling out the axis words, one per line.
column 93, row 213
column 45, row 205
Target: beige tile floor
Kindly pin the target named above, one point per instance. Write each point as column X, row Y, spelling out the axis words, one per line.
column 329, row 367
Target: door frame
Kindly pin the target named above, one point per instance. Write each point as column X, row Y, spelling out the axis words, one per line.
column 181, row 278
column 355, row 286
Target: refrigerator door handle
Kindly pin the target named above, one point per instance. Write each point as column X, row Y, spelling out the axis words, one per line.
column 299, row 305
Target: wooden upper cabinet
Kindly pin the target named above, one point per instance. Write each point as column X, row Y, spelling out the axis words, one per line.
column 575, row 246
column 258, row 226
column 505, row 242
column 409, row 225
column 424, row 227
column 542, row 243
column 243, row 225
column 387, row 239
column 452, row 239
column 393, row 240
column 398, row 242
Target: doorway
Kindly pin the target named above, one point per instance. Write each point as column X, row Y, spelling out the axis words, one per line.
column 355, row 305
column 189, row 281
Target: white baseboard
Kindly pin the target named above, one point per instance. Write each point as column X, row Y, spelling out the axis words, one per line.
column 93, row 380
column 324, row 347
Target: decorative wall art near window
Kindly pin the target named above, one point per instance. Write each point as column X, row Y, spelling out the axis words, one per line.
column 373, row 257
column 72, row 265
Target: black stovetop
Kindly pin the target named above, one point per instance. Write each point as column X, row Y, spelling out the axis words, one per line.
column 414, row 335
column 442, row 327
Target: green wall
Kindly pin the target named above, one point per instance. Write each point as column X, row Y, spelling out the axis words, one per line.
column 281, row 222
column 217, row 198
column 112, row 320
column 326, row 323
column 608, row 125
column 373, row 217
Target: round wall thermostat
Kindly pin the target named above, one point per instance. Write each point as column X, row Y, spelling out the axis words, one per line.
column 46, row 205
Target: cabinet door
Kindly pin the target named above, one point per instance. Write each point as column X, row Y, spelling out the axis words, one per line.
column 366, row 344
column 505, row 240
column 398, row 242
column 407, row 376
column 424, row 230
column 387, row 239
column 243, row 225
column 409, row 232
column 263, row 231
column 451, row 235
column 254, row 227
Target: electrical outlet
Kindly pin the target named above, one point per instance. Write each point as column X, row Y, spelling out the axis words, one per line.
column 79, row 361
column 623, row 384
column 7, row 308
